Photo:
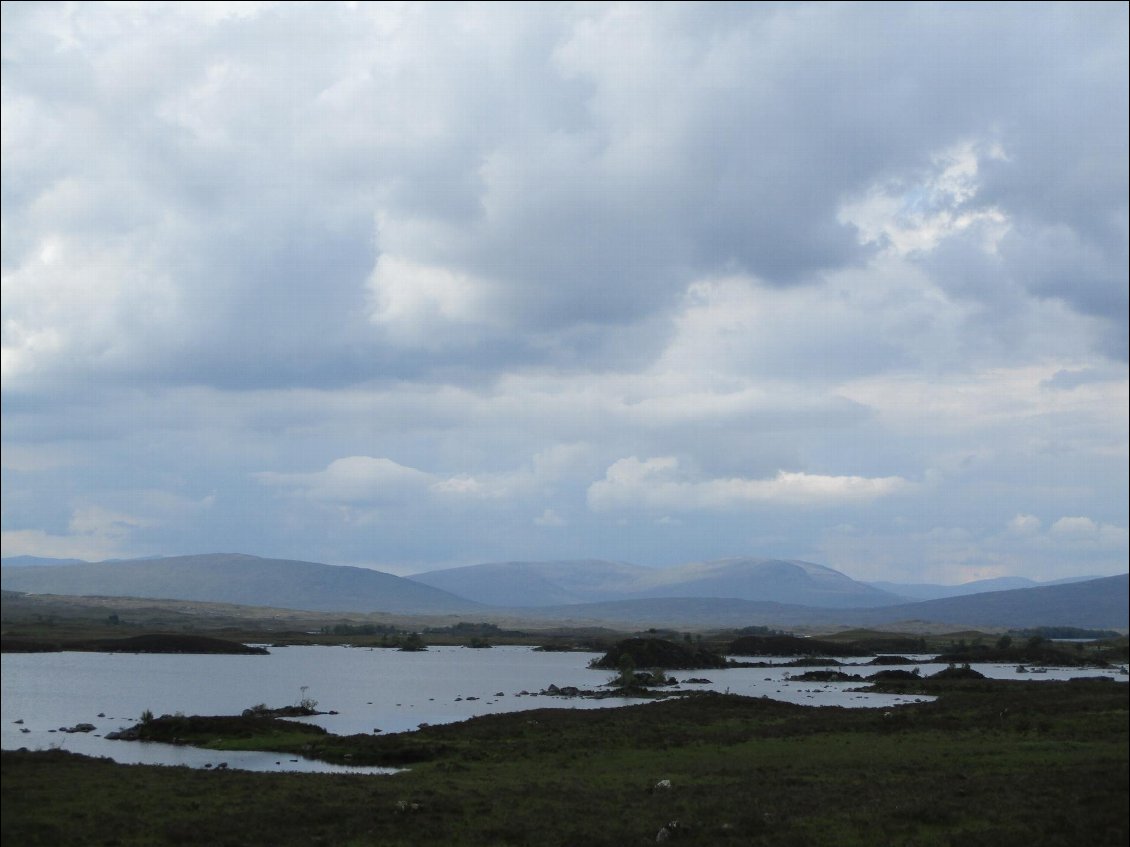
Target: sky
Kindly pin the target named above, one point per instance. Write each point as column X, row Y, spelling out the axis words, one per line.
column 412, row 286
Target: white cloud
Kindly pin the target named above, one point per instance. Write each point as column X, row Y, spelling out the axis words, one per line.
column 917, row 215
column 656, row 484
column 1085, row 533
column 550, row 518
column 993, row 397
column 355, row 479
column 97, row 305
column 368, row 480
column 36, row 542
column 93, row 533
column 420, row 305
column 1024, row 524
column 1074, row 526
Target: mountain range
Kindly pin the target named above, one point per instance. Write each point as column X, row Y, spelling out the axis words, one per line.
column 928, row 591
column 532, row 584
column 241, row 579
column 723, row 593
column 1094, row 604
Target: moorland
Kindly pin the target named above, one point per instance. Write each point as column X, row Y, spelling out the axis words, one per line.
column 1013, row 762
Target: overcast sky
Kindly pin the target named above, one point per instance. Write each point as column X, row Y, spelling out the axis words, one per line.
column 414, row 286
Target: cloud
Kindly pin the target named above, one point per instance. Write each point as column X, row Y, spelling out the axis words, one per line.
column 36, row 542
column 368, row 480
column 1024, row 524
column 550, row 518
column 954, row 554
column 442, row 267
column 1074, row 526
column 512, row 174
column 422, row 306
column 917, row 213
column 655, row 484
column 93, row 534
column 355, row 479
column 1086, row 534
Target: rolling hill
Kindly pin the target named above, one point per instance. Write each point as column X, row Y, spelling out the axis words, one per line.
column 533, row 584
column 789, row 582
column 1094, row 604
column 1102, row 603
column 726, row 593
column 242, row 579
column 929, row 591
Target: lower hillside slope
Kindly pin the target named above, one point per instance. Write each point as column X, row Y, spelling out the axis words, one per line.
column 242, row 579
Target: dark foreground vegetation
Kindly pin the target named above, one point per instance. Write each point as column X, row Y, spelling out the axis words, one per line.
column 790, row 645
column 987, row 763
column 658, row 653
column 148, row 643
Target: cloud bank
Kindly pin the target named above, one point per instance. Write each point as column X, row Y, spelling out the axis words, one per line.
column 424, row 284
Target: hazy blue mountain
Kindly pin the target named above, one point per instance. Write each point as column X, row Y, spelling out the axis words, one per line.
column 533, row 584
column 237, row 578
column 1094, row 604
column 1102, row 603
column 707, row 594
column 522, row 584
column 37, row 562
column 929, row 591
column 774, row 580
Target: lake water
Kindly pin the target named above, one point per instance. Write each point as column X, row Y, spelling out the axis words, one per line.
column 371, row 689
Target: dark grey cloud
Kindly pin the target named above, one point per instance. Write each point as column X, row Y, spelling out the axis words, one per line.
column 294, row 148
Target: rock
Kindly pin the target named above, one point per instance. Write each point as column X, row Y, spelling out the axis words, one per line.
column 667, row 832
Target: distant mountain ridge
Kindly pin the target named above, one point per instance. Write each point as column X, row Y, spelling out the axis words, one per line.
column 788, row 593
column 242, row 579
column 39, row 562
column 534, row 584
column 1101, row 603
column 929, row 591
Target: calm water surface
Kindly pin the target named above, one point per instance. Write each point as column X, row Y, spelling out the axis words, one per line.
column 371, row 689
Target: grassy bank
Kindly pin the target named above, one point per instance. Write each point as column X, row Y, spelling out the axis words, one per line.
column 988, row 763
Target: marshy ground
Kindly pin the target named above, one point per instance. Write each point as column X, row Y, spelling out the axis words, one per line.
column 986, row 763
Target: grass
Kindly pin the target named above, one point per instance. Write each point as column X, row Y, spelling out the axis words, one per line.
column 987, row 763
